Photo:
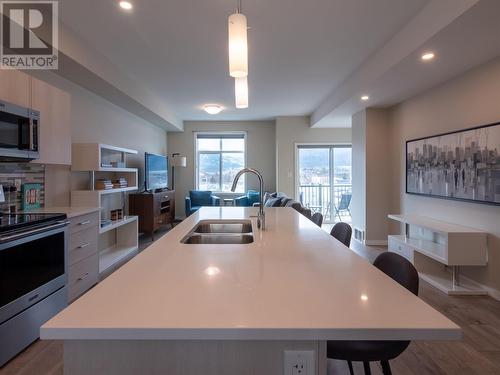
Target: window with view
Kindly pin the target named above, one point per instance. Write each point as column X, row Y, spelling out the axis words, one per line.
column 218, row 158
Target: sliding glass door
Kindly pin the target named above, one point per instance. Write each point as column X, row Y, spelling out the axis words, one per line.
column 324, row 182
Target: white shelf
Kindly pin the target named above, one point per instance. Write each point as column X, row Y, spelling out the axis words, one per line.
column 444, row 283
column 117, row 149
column 113, row 169
column 113, row 255
column 118, row 223
column 117, row 190
column 432, row 224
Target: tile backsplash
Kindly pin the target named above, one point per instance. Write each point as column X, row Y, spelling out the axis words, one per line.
column 24, row 173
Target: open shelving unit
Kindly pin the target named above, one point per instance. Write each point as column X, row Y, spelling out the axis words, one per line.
column 450, row 244
column 118, row 239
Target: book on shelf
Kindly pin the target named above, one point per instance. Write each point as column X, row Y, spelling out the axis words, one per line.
column 120, row 183
column 103, row 184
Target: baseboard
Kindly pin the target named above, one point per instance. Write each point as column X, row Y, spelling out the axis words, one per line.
column 376, row 243
column 492, row 292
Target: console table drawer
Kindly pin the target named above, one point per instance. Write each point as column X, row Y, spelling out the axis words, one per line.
column 83, row 275
column 400, row 248
column 83, row 222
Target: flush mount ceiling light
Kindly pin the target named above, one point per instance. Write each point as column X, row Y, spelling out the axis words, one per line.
column 428, row 56
column 212, row 109
column 241, row 92
column 238, row 46
column 127, row 5
column 365, row 98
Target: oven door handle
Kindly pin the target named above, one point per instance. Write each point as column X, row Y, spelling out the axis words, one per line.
column 59, row 224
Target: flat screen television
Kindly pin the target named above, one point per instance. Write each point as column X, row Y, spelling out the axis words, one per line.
column 156, row 171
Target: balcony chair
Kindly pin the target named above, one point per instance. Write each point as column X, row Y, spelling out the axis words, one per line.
column 345, row 202
column 248, row 199
column 401, row 270
column 198, row 199
column 342, row 232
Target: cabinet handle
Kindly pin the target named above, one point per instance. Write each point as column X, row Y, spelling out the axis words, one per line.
column 84, row 245
column 85, row 222
column 83, row 277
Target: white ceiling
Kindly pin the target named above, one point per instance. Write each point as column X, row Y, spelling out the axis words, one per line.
column 300, row 51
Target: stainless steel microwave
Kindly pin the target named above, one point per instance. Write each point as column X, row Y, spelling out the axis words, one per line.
column 19, row 132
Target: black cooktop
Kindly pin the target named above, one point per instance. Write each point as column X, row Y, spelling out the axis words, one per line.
column 21, row 222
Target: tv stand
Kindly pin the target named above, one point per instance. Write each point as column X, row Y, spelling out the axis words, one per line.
column 154, row 210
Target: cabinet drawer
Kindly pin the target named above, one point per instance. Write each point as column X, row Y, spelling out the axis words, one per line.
column 160, row 220
column 83, row 222
column 83, row 275
column 401, row 248
column 82, row 244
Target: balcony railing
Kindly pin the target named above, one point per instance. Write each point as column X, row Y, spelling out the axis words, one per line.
column 319, row 199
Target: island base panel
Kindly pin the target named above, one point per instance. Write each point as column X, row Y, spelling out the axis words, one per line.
column 184, row 357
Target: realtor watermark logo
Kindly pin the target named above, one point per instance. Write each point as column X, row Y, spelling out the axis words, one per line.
column 29, row 35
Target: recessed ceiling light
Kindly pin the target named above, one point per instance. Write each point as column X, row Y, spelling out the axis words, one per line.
column 365, row 98
column 364, row 297
column 127, row 5
column 428, row 56
column 212, row 109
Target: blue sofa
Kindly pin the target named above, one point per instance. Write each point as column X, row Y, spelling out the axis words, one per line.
column 199, row 198
column 248, row 199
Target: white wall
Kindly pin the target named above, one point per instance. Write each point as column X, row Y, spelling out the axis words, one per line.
column 293, row 130
column 260, row 153
column 469, row 100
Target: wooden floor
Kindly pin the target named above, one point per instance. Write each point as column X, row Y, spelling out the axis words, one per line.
column 477, row 354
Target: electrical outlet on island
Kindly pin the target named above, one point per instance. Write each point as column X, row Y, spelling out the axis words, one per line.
column 299, row 362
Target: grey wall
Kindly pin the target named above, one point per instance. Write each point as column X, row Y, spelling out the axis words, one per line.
column 293, row 130
column 358, row 203
column 94, row 119
column 261, row 139
column 469, row 100
column 371, row 174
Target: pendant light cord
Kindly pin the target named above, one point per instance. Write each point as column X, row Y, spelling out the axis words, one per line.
column 239, row 6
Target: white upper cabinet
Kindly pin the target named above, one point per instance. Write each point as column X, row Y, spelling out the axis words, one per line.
column 54, row 140
column 55, row 127
column 15, row 87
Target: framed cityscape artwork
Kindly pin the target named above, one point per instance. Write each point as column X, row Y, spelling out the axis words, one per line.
column 462, row 165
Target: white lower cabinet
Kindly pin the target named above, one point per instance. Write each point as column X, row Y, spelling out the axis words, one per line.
column 83, row 262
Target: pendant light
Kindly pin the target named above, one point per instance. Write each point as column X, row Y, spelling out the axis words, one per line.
column 238, row 46
column 241, row 92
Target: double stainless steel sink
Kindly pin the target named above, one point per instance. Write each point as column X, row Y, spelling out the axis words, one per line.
column 220, row 232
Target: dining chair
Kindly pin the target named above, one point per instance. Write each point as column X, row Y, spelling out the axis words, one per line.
column 317, row 219
column 342, row 232
column 402, row 271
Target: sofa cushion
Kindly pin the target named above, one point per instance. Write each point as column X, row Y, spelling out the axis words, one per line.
column 273, row 202
column 268, row 195
column 284, row 201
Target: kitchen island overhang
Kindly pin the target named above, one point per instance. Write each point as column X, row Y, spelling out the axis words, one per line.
column 294, row 284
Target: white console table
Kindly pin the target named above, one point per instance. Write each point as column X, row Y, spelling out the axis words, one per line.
column 450, row 244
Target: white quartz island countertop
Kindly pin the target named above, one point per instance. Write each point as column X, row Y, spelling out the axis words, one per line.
column 294, row 282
